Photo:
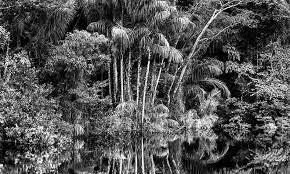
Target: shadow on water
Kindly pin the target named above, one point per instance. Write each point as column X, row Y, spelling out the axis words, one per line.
column 128, row 153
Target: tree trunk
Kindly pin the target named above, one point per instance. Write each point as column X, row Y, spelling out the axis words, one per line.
column 142, row 155
column 157, row 82
column 138, row 86
column 145, row 87
column 129, row 76
column 152, row 164
column 129, row 163
column 110, row 81
column 115, row 67
column 109, row 166
column 172, row 83
column 136, row 161
column 194, row 48
column 168, row 164
column 153, row 77
column 122, row 77
column 121, row 166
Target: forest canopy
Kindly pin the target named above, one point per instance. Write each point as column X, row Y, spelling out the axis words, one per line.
column 119, row 65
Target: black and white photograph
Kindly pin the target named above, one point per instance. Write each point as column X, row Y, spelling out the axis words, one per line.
column 144, row 86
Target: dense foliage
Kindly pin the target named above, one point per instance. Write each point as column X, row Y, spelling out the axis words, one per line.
column 85, row 67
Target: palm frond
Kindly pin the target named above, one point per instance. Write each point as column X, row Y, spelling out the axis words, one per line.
column 160, row 5
column 195, row 90
column 101, row 26
column 218, row 84
column 59, row 20
column 175, row 55
column 162, row 51
column 140, row 32
column 121, row 36
column 202, row 71
column 78, row 129
column 126, row 107
column 145, row 42
column 160, row 109
column 162, row 40
column 208, row 106
column 169, row 78
column 181, row 23
column 160, row 17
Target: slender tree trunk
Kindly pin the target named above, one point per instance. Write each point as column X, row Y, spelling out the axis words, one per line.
column 115, row 67
column 172, row 83
column 153, row 77
column 142, row 155
column 121, row 166
column 138, row 86
column 136, row 160
column 168, row 164
column 113, row 167
column 157, row 82
column 175, row 44
column 129, row 163
column 152, row 164
column 129, row 76
column 110, row 80
column 109, row 166
column 122, row 77
column 175, row 166
column 145, row 87
column 194, row 48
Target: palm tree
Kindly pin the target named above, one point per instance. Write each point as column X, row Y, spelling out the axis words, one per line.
column 123, row 22
column 201, row 78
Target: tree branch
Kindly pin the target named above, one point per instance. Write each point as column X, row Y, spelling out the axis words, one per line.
column 228, row 6
column 197, row 41
column 214, row 36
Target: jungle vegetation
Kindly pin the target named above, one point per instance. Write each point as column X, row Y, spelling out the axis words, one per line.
column 86, row 67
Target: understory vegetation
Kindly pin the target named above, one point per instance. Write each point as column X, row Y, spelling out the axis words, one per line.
column 75, row 68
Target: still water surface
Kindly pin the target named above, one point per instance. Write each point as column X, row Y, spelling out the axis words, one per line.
column 126, row 153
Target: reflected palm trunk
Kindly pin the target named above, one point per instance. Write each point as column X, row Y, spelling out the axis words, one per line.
column 152, row 164
column 136, row 159
column 109, row 166
column 142, row 157
column 129, row 163
column 121, row 166
column 176, row 167
column 168, row 164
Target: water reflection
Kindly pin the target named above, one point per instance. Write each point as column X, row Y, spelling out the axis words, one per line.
column 187, row 153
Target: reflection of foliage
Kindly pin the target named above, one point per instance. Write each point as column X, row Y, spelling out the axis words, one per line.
column 204, row 150
column 271, row 158
column 237, row 128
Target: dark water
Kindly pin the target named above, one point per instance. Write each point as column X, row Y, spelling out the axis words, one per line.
column 185, row 153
